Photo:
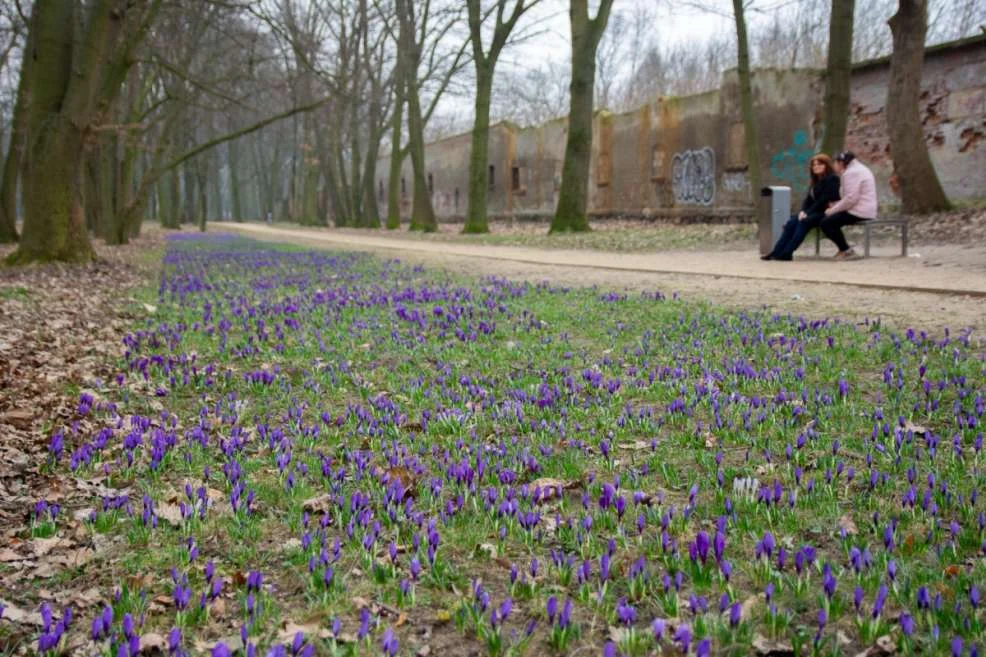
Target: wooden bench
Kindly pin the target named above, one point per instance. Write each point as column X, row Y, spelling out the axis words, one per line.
column 868, row 226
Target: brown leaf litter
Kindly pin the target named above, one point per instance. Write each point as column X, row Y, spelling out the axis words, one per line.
column 61, row 327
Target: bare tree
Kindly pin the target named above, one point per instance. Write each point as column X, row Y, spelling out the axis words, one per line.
column 72, row 80
column 484, row 60
column 533, row 96
column 422, row 27
column 14, row 43
column 571, row 212
column 750, row 129
column 920, row 189
column 838, row 74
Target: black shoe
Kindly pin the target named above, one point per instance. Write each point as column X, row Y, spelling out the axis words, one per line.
column 768, row 256
column 784, row 258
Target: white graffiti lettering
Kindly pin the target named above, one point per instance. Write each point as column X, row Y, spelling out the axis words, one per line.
column 735, row 182
column 693, row 176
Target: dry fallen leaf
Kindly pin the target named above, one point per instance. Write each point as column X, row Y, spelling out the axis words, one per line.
column 318, row 504
column 552, row 488
column 847, row 523
column 772, row 648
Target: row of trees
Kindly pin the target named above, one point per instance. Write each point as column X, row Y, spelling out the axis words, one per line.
column 179, row 110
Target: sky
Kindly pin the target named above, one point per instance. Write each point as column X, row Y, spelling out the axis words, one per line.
column 673, row 24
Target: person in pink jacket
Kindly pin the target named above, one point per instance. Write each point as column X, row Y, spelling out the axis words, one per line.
column 857, row 202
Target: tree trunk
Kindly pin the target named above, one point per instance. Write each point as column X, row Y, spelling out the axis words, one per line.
column 422, row 212
column 476, row 212
column 838, row 76
column 485, row 63
column 571, row 213
column 202, row 187
column 54, row 225
column 371, row 209
column 396, row 160
column 75, row 76
column 15, row 151
column 107, row 222
column 234, row 180
column 751, row 132
column 920, row 188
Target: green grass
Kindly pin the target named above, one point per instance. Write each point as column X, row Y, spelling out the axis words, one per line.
column 705, row 398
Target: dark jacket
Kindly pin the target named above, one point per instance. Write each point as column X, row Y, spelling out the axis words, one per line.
column 820, row 194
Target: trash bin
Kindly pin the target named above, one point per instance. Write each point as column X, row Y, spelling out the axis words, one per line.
column 775, row 210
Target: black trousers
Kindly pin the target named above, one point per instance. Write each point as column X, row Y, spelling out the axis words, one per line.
column 793, row 235
column 832, row 227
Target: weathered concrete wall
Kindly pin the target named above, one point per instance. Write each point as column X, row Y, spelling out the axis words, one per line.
column 685, row 157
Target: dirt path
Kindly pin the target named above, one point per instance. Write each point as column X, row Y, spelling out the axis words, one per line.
column 944, row 287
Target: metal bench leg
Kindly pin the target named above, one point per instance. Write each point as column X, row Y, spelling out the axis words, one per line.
column 866, row 240
column 903, row 240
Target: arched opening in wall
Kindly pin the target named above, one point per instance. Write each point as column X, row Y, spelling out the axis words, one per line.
column 456, row 199
column 515, row 178
column 403, row 186
column 380, row 190
column 492, row 178
column 431, row 184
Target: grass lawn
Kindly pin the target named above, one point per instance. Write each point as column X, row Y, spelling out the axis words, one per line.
column 316, row 453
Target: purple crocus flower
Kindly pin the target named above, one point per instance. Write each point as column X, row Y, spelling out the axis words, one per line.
column 625, row 613
column 906, row 624
column 735, row 614
column 220, row 650
column 703, row 648
column 389, row 643
column 658, row 627
column 881, row 598
column 683, row 636
column 552, row 608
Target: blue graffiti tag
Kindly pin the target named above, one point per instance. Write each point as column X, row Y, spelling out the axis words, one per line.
column 791, row 164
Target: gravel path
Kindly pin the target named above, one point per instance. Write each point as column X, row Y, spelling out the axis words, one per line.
column 940, row 286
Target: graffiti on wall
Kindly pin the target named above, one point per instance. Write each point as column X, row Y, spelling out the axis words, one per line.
column 693, row 176
column 791, row 164
column 736, row 182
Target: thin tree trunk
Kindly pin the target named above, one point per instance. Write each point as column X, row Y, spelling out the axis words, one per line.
column 234, row 180
column 485, row 63
column 15, row 151
column 476, row 211
column 838, row 76
column 920, row 189
column 396, row 159
column 422, row 212
column 571, row 213
column 751, row 131
column 106, row 221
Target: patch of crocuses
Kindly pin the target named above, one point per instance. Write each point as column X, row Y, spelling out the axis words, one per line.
column 315, row 453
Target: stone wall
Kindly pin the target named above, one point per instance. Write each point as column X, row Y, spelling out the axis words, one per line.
column 684, row 158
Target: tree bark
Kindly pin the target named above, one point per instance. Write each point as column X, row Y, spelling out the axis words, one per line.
column 476, row 212
column 15, row 151
column 396, row 157
column 838, row 75
column 234, row 180
column 571, row 213
column 485, row 62
column 920, row 189
column 54, row 226
column 751, row 131
column 74, row 78
column 422, row 212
